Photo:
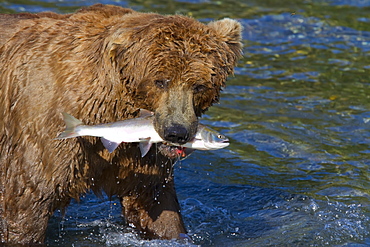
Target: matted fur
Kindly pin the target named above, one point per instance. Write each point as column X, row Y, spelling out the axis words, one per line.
column 101, row 64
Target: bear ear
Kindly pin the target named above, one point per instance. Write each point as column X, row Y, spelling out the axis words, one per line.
column 230, row 32
column 229, row 29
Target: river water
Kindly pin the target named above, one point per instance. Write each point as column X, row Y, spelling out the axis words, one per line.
column 297, row 112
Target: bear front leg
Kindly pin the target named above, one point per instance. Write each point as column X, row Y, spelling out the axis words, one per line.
column 24, row 216
column 157, row 217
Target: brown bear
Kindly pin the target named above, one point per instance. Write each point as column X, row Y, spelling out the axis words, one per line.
column 101, row 64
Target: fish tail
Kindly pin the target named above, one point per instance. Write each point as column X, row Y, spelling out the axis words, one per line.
column 71, row 124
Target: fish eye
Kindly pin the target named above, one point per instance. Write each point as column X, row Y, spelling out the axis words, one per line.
column 220, row 136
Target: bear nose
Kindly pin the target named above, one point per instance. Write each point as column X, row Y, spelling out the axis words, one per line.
column 176, row 134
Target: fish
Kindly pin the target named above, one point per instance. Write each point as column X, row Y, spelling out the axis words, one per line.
column 140, row 130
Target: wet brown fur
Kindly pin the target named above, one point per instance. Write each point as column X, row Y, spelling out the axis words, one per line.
column 100, row 64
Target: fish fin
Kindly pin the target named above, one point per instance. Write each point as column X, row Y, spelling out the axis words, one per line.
column 144, row 147
column 187, row 151
column 71, row 123
column 109, row 145
column 145, row 113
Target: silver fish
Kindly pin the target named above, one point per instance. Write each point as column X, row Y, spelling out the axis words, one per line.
column 139, row 130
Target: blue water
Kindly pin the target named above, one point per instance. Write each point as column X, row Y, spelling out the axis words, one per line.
column 297, row 113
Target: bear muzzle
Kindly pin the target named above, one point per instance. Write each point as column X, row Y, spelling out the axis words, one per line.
column 176, row 133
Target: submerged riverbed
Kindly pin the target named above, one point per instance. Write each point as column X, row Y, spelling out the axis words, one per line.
column 297, row 113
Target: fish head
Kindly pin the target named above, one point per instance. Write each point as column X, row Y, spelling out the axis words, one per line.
column 211, row 139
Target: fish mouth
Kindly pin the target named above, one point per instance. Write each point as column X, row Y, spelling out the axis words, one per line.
column 225, row 143
column 222, row 144
column 226, row 140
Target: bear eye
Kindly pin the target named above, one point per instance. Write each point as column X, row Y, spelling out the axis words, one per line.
column 162, row 83
column 199, row 88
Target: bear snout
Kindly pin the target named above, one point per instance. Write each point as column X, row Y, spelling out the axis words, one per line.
column 175, row 119
column 176, row 133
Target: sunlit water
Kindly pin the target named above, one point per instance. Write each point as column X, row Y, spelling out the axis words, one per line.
column 297, row 113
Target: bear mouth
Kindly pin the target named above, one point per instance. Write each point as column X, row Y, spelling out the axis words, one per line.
column 174, row 152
